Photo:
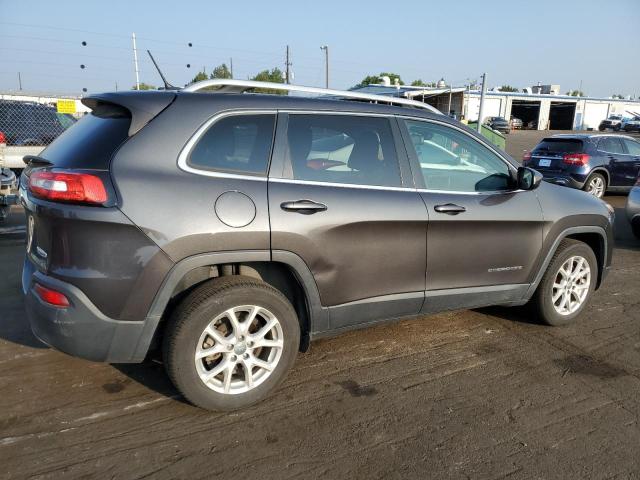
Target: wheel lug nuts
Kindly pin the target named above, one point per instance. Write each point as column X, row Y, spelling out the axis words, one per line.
column 245, row 356
column 234, row 358
column 229, row 347
column 250, row 344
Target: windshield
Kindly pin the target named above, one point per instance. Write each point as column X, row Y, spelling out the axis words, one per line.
column 559, row 145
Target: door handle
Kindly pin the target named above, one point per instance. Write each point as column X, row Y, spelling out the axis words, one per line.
column 306, row 207
column 449, row 209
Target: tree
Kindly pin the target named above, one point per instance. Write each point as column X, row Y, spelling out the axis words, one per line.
column 199, row 77
column 507, row 88
column 617, row 95
column 221, row 71
column 144, row 86
column 372, row 79
column 274, row 75
column 420, row 83
column 575, row 93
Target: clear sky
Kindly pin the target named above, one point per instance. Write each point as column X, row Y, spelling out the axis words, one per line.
column 516, row 42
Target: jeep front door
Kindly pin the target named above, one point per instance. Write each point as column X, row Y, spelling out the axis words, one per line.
column 484, row 236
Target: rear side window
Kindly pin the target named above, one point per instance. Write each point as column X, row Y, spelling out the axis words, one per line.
column 237, row 144
column 611, row 145
column 349, row 149
column 89, row 143
column 560, row 145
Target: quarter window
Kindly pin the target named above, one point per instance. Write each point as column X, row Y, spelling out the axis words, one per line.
column 453, row 161
column 350, row 149
column 237, row 143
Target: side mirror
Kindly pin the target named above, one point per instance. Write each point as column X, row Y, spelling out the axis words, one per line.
column 528, row 178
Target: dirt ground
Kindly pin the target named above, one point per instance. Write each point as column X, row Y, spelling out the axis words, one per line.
column 469, row 394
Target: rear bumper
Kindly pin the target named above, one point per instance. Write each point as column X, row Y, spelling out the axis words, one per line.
column 564, row 180
column 81, row 329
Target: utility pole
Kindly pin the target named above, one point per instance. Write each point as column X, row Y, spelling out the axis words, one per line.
column 326, row 65
column 19, row 81
column 482, row 93
column 231, row 66
column 135, row 61
column 287, row 65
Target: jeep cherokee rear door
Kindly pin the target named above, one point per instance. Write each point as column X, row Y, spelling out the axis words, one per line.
column 483, row 236
column 342, row 199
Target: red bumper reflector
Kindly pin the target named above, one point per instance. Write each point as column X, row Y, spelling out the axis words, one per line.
column 52, row 297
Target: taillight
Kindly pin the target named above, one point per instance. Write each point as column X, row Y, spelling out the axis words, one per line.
column 3, row 138
column 51, row 297
column 526, row 157
column 576, row 158
column 68, row 187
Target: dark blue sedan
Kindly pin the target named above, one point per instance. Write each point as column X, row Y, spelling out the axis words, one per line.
column 594, row 163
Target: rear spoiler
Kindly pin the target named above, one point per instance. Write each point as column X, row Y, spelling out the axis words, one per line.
column 142, row 106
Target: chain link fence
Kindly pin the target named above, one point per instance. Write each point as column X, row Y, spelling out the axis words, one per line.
column 28, row 123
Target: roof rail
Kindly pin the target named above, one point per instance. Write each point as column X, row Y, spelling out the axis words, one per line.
column 239, row 86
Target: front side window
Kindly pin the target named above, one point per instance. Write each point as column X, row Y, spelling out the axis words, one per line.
column 349, row 149
column 453, row 161
column 237, row 143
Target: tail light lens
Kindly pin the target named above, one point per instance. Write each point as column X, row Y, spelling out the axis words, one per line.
column 51, row 297
column 576, row 158
column 3, row 138
column 68, row 187
column 526, row 157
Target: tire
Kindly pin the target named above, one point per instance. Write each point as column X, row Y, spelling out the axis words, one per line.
column 616, row 128
column 596, row 185
column 602, row 129
column 635, row 227
column 543, row 303
column 209, row 302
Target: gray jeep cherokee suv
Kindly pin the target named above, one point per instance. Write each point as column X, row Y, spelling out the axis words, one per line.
column 230, row 229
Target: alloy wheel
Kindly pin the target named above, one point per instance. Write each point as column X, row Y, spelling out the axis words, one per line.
column 571, row 285
column 239, row 349
column 596, row 187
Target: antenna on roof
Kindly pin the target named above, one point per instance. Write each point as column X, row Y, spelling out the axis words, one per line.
column 167, row 85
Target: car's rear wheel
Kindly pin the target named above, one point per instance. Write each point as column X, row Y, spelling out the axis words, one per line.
column 567, row 285
column 596, row 185
column 230, row 343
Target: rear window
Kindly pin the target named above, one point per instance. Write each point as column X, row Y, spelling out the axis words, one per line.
column 559, row 145
column 91, row 142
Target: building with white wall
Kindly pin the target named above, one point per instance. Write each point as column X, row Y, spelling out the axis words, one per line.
column 539, row 110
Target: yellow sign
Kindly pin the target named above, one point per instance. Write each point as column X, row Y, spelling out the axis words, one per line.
column 66, row 106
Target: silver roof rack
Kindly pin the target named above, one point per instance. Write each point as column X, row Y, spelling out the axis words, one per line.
column 239, row 86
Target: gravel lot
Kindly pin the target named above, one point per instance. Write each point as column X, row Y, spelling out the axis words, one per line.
column 469, row 394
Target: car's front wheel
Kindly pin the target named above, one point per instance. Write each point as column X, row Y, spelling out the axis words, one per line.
column 230, row 343
column 635, row 227
column 567, row 285
column 596, row 185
